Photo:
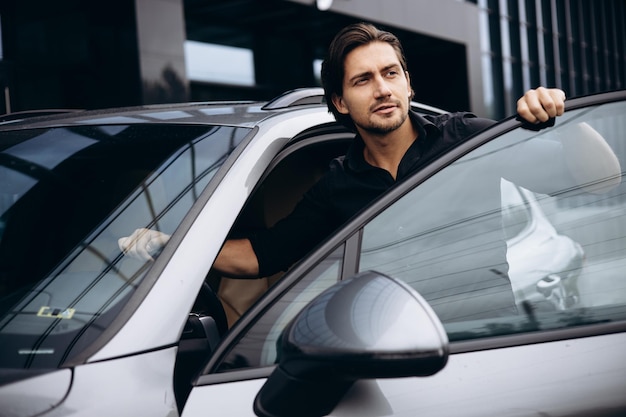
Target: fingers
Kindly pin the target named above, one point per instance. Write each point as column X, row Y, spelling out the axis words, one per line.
column 541, row 104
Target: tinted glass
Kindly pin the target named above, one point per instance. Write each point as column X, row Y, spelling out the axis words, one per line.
column 493, row 257
column 66, row 196
column 257, row 348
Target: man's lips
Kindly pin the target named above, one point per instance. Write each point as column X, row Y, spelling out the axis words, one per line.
column 385, row 108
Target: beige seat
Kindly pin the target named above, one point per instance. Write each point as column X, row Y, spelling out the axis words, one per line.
column 273, row 200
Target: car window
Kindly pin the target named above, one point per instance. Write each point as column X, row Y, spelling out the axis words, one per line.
column 257, row 348
column 527, row 232
column 66, row 196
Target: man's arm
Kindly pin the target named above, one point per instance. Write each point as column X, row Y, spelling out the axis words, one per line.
column 236, row 259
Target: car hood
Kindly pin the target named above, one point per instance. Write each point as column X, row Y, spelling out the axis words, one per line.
column 27, row 393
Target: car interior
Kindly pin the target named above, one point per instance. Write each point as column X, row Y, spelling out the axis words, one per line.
column 224, row 300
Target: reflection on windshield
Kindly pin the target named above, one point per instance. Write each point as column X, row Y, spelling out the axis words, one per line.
column 66, row 196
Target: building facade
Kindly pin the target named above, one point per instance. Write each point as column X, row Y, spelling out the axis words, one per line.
column 476, row 55
column 576, row 45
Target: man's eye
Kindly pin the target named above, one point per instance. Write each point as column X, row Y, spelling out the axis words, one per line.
column 392, row 73
column 361, row 81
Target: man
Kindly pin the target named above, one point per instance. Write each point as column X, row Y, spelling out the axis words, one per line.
column 368, row 89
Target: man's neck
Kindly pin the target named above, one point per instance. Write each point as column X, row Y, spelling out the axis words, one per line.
column 386, row 150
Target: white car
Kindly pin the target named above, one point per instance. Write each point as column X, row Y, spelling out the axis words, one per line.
column 389, row 316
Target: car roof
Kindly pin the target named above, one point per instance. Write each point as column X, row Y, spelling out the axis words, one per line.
column 232, row 113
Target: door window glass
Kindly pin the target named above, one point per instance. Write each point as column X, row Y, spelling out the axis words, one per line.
column 527, row 232
column 258, row 346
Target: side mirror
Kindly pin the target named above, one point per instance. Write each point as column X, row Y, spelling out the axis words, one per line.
column 370, row 326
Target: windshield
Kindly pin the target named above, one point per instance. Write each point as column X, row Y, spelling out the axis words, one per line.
column 66, row 196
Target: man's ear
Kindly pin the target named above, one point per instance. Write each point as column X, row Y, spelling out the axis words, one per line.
column 339, row 105
column 411, row 93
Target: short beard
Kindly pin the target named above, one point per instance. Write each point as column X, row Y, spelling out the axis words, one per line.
column 380, row 129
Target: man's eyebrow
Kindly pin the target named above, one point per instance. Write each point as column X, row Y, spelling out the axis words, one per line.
column 391, row 66
column 369, row 73
column 360, row 75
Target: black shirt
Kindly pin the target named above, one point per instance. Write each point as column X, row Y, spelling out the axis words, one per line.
column 350, row 184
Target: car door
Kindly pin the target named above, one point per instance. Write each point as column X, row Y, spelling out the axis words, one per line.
column 536, row 322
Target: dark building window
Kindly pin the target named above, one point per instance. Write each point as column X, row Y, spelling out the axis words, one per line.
column 576, row 45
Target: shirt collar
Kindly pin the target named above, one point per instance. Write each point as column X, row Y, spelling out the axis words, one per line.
column 426, row 129
column 424, row 126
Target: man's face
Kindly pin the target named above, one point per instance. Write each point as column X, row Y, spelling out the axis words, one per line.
column 376, row 89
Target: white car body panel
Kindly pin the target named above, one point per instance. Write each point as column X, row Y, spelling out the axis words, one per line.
column 139, row 385
column 233, row 399
column 468, row 382
column 35, row 395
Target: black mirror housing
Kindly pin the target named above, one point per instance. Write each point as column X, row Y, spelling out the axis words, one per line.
column 370, row 326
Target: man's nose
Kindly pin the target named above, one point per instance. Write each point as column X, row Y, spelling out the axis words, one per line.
column 382, row 89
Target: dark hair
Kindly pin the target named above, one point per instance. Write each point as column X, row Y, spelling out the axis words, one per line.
column 333, row 70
